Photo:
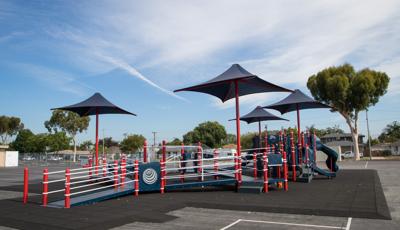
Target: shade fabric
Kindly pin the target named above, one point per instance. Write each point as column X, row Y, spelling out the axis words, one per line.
column 96, row 103
column 223, row 86
column 259, row 114
column 296, row 100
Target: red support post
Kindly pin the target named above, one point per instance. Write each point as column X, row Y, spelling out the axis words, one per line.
column 90, row 168
column 136, row 178
column 285, row 171
column 145, row 151
column 97, row 142
column 104, row 167
column 255, row 165
column 45, row 186
column 315, row 148
column 164, row 151
column 293, row 156
column 199, row 161
column 182, row 163
column 238, row 151
column 123, row 171
column 115, row 174
column 67, row 203
column 26, row 182
column 162, row 169
column 265, row 171
column 215, row 164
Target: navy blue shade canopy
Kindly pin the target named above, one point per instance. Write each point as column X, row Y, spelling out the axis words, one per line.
column 223, row 86
column 259, row 114
column 95, row 104
column 296, row 101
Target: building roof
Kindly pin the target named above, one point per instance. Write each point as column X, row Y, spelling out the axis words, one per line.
column 338, row 135
column 340, row 143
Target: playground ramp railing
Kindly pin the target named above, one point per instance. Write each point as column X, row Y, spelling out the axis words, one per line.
column 90, row 179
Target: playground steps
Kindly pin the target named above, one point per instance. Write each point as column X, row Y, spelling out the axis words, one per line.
column 251, row 187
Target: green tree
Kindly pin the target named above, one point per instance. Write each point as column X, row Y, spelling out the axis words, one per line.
column 24, row 142
column 210, row 133
column 175, row 141
column 246, row 140
column 108, row 142
column 9, row 126
column 349, row 92
column 391, row 133
column 322, row 132
column 230, row 139
column 57, row 141
column 68, row 122
column 132, row 143
column 86, row 145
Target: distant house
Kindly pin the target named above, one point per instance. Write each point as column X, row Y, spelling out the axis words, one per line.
column 394, row 148
column 343, row 142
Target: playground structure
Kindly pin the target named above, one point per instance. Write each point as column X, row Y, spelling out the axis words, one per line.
column 279, row 160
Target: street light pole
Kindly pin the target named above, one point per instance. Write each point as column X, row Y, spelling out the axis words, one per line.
column 369, row 136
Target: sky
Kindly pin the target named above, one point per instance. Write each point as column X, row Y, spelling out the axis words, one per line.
column 135, row 53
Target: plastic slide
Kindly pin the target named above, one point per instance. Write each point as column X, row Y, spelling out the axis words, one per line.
column 330, row 162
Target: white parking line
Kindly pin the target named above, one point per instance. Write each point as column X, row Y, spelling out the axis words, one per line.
column 289, row 224
column 366, row 164
column 349, row 222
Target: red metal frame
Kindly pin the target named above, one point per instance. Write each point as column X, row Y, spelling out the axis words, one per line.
column 265, row 170
column 45, row 186
column 67, row 203
column 136, row 178
column 97, row 142
column 164, row 151
column 293, row 156
column 115, row 174
column 26, row 181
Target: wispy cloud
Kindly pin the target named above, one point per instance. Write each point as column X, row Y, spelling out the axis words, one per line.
column 133, row 72
column 55, row 79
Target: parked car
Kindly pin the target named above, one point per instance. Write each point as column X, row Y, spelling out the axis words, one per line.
column 28, row 158
column 348, row 155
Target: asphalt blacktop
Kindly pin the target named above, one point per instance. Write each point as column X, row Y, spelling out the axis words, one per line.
column 364, row 195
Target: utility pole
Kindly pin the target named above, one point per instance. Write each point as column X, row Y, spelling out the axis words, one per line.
column 154, row 138
column 369, row 136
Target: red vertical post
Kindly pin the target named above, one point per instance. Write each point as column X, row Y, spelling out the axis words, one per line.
column 200, row 159
column 285, row 171
column 123, row 171
column 136, row 178
column 26, row 182
column 292, row 146
column 115, row 174
column 265, row 171
column 97, row 142
column 215, row 164
column 145, row 151
column 104, row 167
column 45, row 186
column 162, row 169
column 164, row 151
column 315, row 148
column 67, row 203
column 255, row 165
column 90, row 168
column 300, row 150
column 238, row 151
column 183, row 165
